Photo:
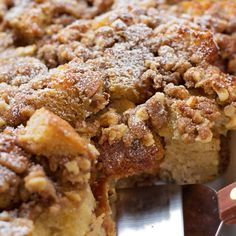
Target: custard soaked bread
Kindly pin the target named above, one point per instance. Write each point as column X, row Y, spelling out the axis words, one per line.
column 94, row 92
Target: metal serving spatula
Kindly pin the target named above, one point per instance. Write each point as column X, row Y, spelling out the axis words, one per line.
column 190, row 210
column 144, row 211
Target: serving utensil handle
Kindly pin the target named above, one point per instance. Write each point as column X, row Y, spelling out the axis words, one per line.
column 227, row 203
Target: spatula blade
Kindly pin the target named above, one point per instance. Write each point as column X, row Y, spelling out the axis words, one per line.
column 148, row 210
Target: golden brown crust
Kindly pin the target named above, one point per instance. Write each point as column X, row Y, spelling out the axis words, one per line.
column 74, row 84
column 43, row 127
column 120, row 161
